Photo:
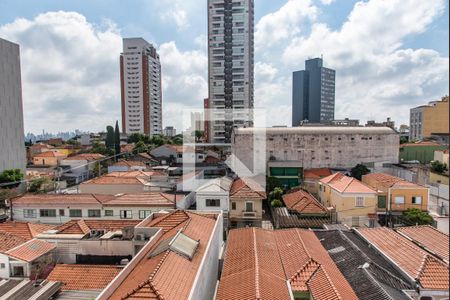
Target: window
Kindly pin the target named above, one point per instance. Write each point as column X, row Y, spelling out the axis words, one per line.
column 94, row 213
column 233, row 205
column 359, row 201
column 109, row 213
column 417, row 200
column 2, row 266
column 399, row 200
column 62, row 212
column 249, row 206
column 126, row 214
column 213, row 202
column 381, row 201
column 144, row 214
column 47, row 212
column 75, row 213
column 29, row 213
column 18, row 271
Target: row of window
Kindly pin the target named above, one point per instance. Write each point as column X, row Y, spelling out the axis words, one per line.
column 77, row 213
column 216, row 203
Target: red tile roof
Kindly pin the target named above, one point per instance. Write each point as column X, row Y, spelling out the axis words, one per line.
column 421, row 143
column 129, row 177
column 31, row 250
column 259, row 263
column 168, row 275
column 246, row 188
column 129, row 163
column 149, row 199
column 85, row 226
column 430, row 238
column 386, row 180
column 9, row 241
column 86, row 156
column 345, row 184
column 414, row 261
column 303, row 202
column 62, row 199
column 316, row 173
column 25, row 230
column 84, row 277
column 48, row 154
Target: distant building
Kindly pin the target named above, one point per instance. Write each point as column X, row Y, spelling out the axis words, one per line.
column 12, row 142
column 206, row 115
column 140, row 78
column 421, row 152
column 429, row 120
column 197, row 121
column 290, row 150
column 345, row 122
column 388, row 123
column 230, row 66
column 170, row 131
column 313, row 93
column 49, row 158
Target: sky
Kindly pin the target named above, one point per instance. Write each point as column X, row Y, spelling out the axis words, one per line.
column 389, row 56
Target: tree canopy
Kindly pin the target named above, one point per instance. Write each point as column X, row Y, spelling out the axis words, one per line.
column 438, row 167
column 11, row 176
column 359, row 171
column 414, row 216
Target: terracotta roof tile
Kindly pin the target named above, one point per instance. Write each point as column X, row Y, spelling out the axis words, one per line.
column 386, row 180
column 316, row 173
column 129, row 177
column 303, row 202
column 413, row 260
column 49, row 154
column 86, row 156
column 62, row 199
column 246, row 188
column 84, row 277
column 24, row 229
column 129, row 163
column 430, row 238
column 85, row 226
column 149, row 199
column 162, row 274
column 31, row 250
column 259, row 263
column 9, row 241
column 345, row 184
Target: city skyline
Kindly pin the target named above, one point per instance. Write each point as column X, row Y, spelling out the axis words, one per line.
column 83, row 90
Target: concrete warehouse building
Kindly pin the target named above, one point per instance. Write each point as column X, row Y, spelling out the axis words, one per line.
column 289, row 150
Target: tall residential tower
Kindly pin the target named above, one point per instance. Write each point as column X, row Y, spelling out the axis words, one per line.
column 140, row 78
column 313, row 93
column 230, row 66
column 12, row 144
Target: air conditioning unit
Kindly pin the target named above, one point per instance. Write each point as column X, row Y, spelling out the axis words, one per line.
column 140, row 237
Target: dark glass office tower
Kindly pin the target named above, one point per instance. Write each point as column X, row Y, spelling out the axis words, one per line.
column 313, row 93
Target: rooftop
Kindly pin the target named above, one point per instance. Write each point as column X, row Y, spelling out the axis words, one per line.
column 420, row 143
column 9, row 241
column 31, row 250
column 28, row 289
column 86, row 156
column 86, row 226
column 303, row 202
column 316, row 130
column 129, row 163
column 429, row 238
column 246, row 188
column 156, row 199
column 161, row 272
column 259, row 264
column 49, row 154
column 316, row 173
column 386, row 180
column 84, row 277
column 222, row 184
column 129, row 177
column 25, row 230
column 345, row 184
column 429, row 271
column 62, row 199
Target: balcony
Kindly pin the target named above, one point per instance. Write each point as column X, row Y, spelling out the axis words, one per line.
column 249, row 214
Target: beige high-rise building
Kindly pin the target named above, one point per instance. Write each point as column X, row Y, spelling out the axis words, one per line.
column 12, row 144
column 428, row 120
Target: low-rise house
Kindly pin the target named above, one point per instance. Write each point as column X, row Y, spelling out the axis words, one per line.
column 36, row 149
column 61, row 208
column 168, row 154
column 282, row 264
column 83, row 281
column 179, row 259
column 442, row 156
column 246, row 199
column 146, row 158
column 25, row 230
column 426, row 272
column 422, row 151
column 396, row 195
column 311, row 178
column 127, row 182
column 353, row 201
column 214, row 195
column 438, row 206
column 81, row 166
column 127, row 165
column 48, row 158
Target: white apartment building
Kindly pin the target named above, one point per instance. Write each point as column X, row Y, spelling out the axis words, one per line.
column 140, row 78
column 230, row 66
column 12, row 143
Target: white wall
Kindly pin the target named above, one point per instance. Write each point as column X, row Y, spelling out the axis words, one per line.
column 4, row 273
column 223, row 196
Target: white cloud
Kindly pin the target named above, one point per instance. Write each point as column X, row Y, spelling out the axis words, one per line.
column 284, row 23
column 70, row 71
column 177, row 15
column 376, row 75
column 327, row 2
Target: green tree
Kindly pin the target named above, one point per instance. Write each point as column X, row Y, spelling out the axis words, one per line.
column 177, row 140
column 109, row 137
column 358, row 171
column 403, row 140
column 140, row 147
column 272, row 183
column 38, row 185
column 158, row 140
column 276, row 203
column 117, row 138
column 414, row 216
column 135, row 137
column 198, row 135
column 11, row 176
column 101, row 149
column 438, row 167
column 277, row 193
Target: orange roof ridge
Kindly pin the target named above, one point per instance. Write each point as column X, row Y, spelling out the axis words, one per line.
column 329, row 281
column 257, row 291
column 299, row 272
column 152, row 294
column 303, row 243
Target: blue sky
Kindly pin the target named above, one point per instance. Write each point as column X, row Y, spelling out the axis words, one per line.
column 389, row 55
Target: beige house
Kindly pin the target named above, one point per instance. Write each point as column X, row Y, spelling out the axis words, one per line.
column 246, row 198
column 311, row 178
column 48, row 158
column 354, row 202
column 442, row 156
